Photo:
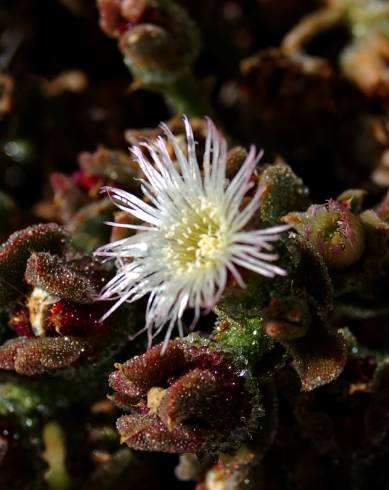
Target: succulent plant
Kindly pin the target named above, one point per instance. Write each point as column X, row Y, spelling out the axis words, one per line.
column 189, row 301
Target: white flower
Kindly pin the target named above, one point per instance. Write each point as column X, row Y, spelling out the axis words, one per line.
column 192, row 233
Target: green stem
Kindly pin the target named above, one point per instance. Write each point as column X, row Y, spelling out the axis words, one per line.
column 186, row 97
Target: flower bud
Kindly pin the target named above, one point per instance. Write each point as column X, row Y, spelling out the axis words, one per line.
column 158, row 39
column 334, row 230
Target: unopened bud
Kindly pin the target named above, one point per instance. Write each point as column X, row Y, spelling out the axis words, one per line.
column 334, row 230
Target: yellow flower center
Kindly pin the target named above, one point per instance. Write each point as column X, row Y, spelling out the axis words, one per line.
column 196, row 240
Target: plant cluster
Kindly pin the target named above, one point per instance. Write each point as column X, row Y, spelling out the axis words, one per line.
column 192, row 296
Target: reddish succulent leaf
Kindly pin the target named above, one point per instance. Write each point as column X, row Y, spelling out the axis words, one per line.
column 9, row 350
column 16, row 250
column 126, row 393
column 148, row 433
column 195, row 395
column 121, row 401
column 319, row 357
column 37, row 355
column 59, row 278
column 136, row 376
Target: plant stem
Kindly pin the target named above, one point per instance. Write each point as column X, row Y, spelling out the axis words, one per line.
column 186, row 97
